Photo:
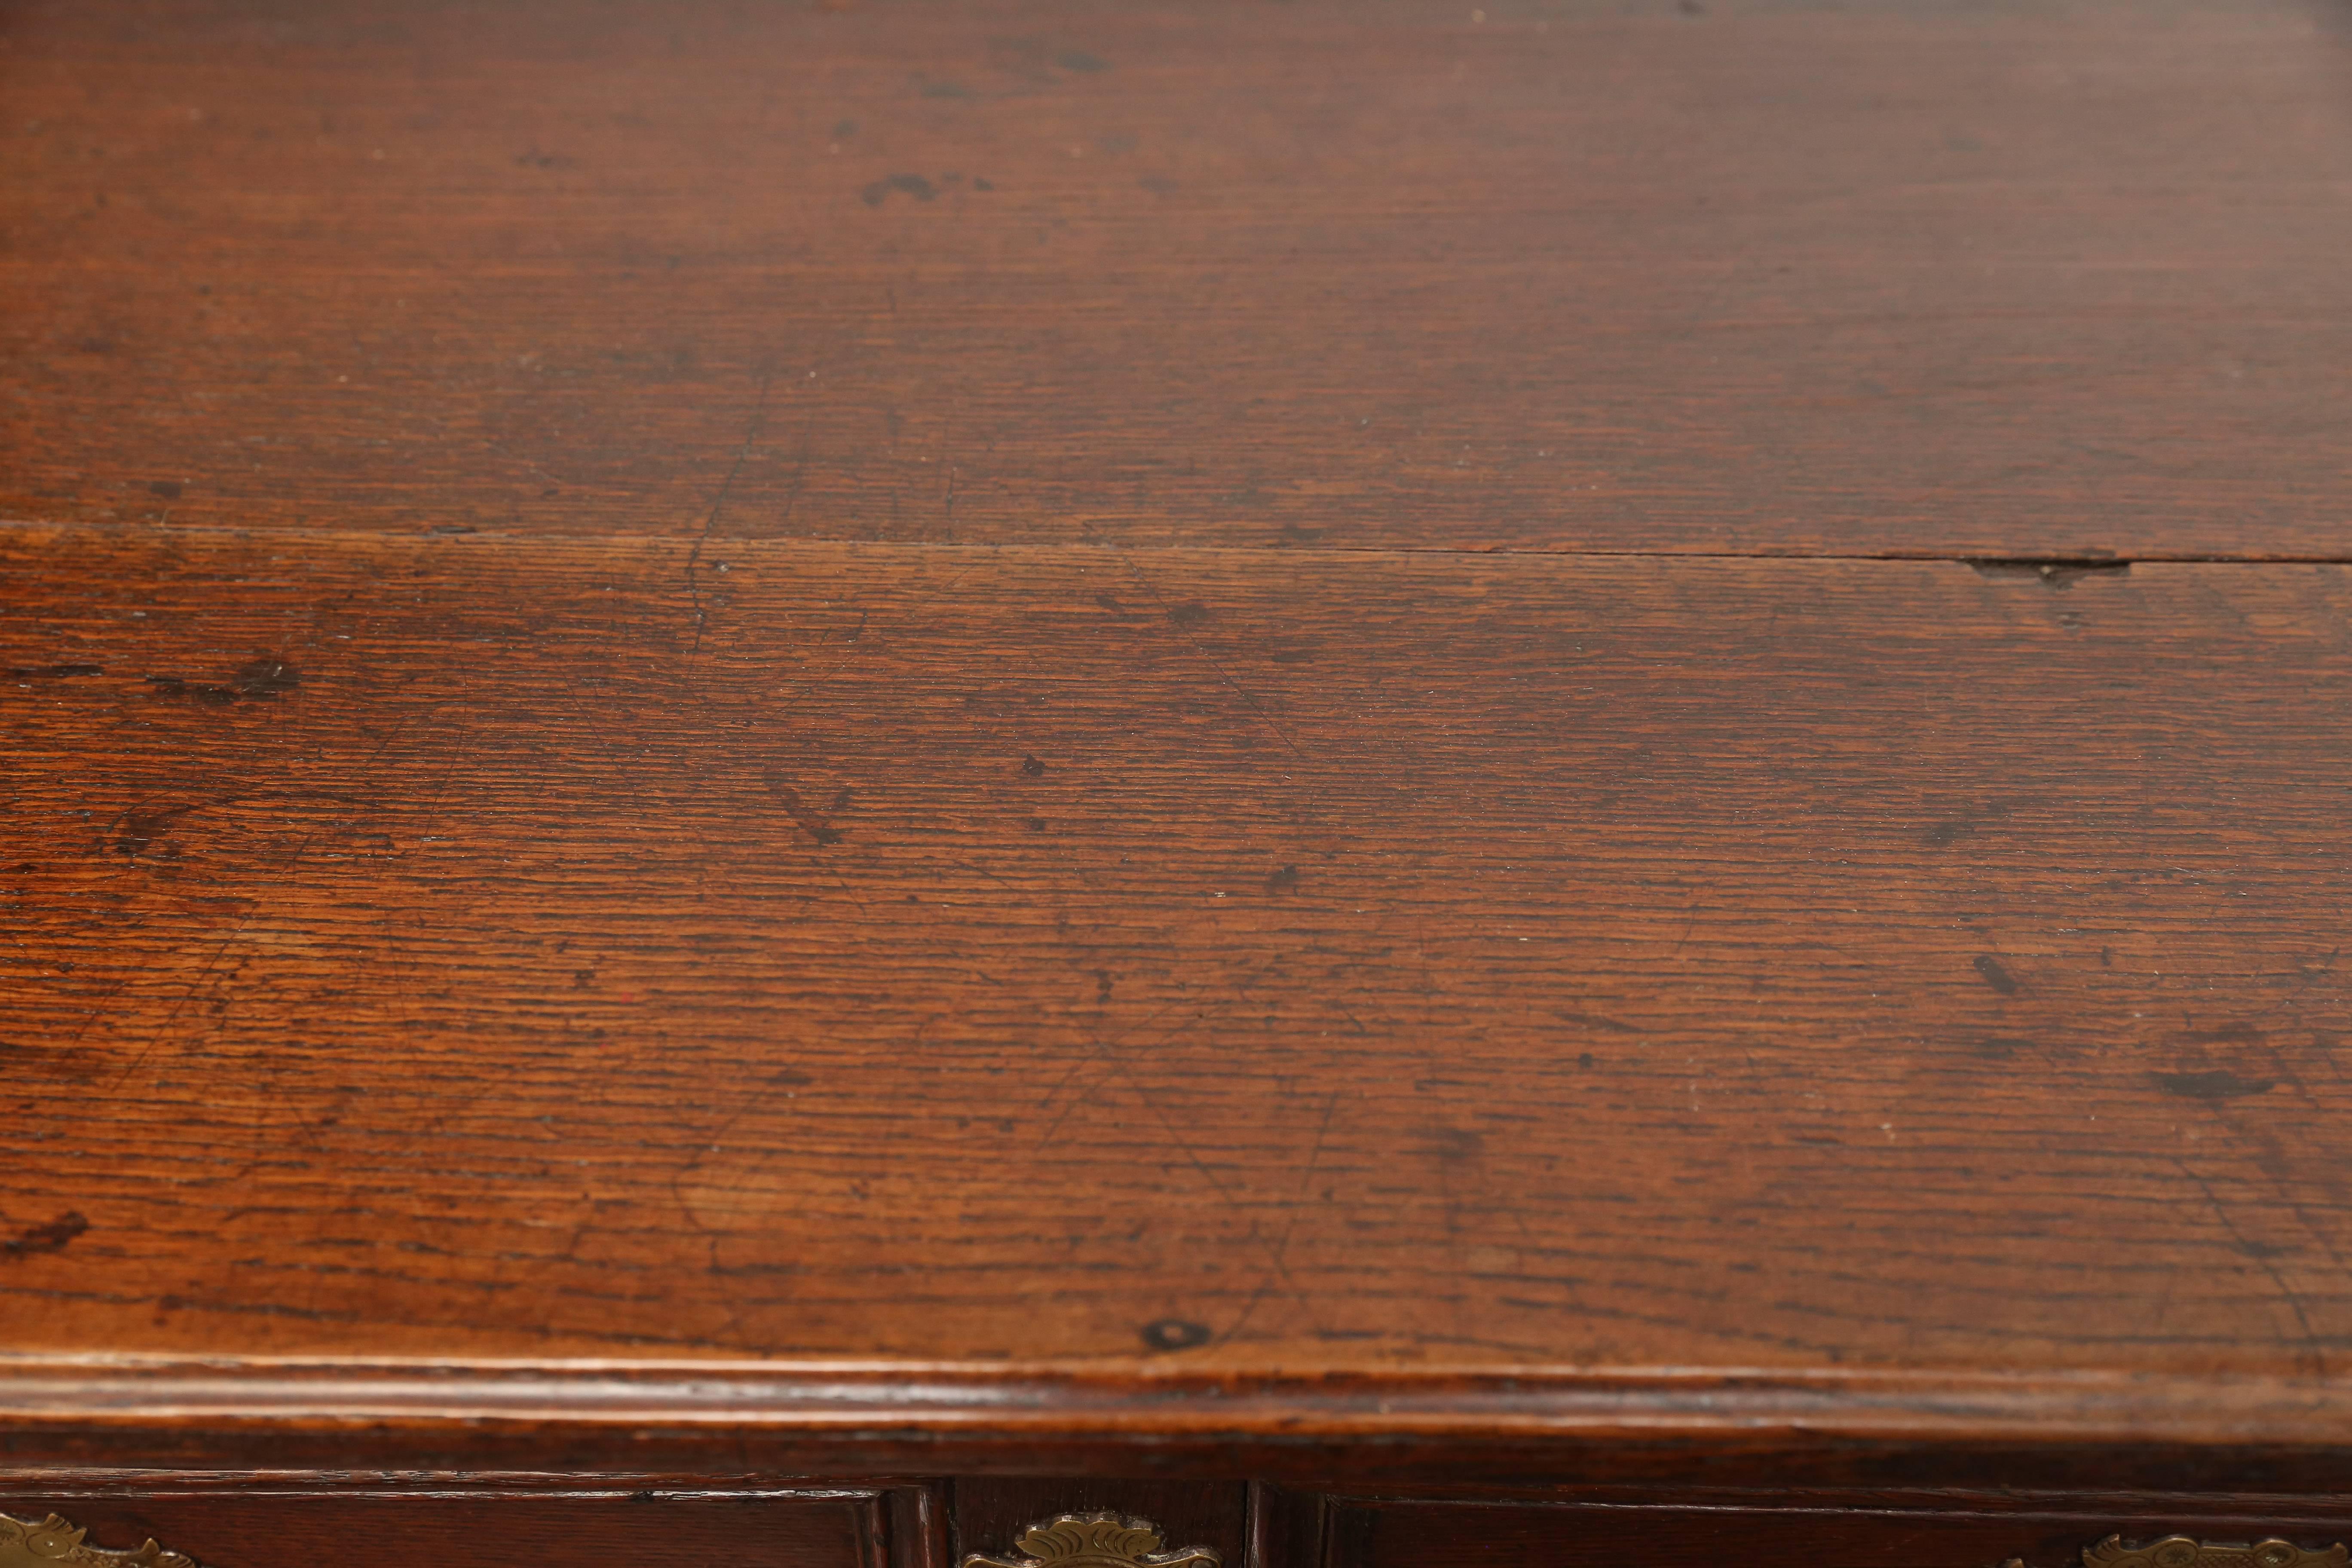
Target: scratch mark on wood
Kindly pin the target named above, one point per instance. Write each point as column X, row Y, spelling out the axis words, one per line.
column 725, row 488
column 2263, row 1256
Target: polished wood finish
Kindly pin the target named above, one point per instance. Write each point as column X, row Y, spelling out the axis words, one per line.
column 515, row 950
column 1402, row 784
column 1424, row 1535
column 1903, row 278
column 265, row 1523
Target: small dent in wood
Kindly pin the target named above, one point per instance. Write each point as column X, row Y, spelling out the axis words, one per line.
column 1174, row 1335
column 261, row 678
column 1999, row 1049
column 914, row 185
column 2056, row 571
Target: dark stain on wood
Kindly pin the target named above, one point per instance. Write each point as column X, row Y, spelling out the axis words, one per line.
column 54, row 1236
column 2213, row 1083
column 1996, row 974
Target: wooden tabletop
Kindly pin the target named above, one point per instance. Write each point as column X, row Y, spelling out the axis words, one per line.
column 1195, row 720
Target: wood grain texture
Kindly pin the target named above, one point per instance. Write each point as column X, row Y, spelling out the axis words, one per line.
column 1220, row 963
column 1886, row 279
column 1450, row 1535
column 265, row 1522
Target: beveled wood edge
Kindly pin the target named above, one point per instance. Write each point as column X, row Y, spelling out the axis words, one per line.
column 2287, row 1441
column 72, row 1484
column 1143, row 1398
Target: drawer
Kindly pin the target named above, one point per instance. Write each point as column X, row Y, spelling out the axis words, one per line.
column 1421, row 1534
column 266, row 1526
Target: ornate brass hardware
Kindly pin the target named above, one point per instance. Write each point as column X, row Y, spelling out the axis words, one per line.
column 1097, row 1541
column 48, row 1543
column 2181, row 1552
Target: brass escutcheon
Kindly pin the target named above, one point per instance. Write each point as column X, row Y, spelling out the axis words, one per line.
column 1096, row 1540
column 2183, row 1552
column 51, row 1541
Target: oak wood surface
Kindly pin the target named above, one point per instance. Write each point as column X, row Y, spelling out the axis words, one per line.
column 1215, row 961
column 1928, row 279
column 896, row 739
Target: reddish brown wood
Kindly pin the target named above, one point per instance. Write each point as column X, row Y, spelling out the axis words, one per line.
column 1451, row 1535
column 1878, row 278
column 1505, row 996
column 262, row 1524
column 1051, row 746
column 1416, row 1434
column 230, row 1520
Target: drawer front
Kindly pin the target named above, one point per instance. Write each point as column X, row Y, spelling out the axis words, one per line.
column 1381, row 1535
column 267, row 1528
